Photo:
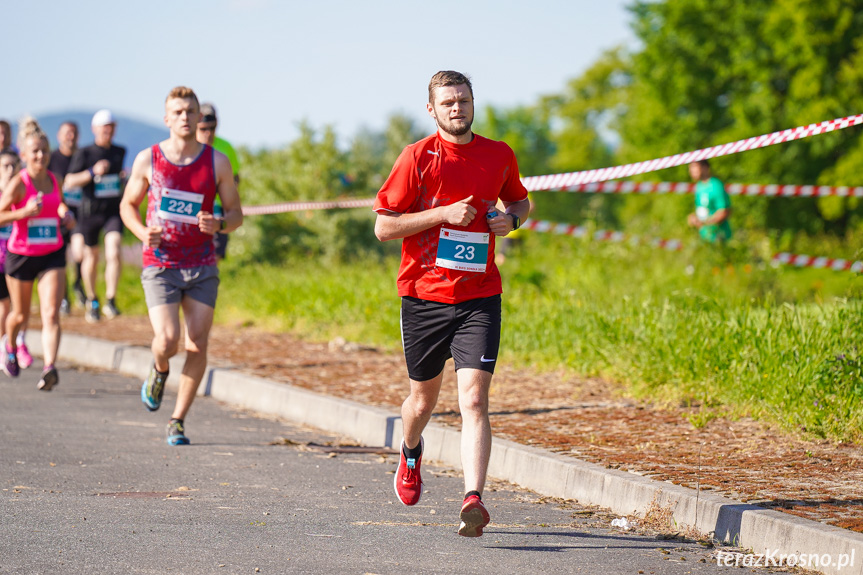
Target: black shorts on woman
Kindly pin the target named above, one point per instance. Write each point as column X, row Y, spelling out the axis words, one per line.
column 29, row 268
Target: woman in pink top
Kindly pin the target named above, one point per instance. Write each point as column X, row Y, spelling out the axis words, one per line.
column 33, row 203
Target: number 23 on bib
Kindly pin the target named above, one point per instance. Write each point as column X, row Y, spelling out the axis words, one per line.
column 462, row 251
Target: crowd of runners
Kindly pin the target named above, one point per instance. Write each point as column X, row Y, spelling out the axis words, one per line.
column 448, row 197
column 58, row 208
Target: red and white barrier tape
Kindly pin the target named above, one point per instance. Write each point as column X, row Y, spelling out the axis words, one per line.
column 818, row 262
column 599, row 235
column 604, row 188
column 303, row 206
column 772, row 190
column 732, row 189
column 783, row 258
column 560, row 181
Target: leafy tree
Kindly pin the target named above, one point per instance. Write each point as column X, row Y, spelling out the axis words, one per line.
column 718, row 71
column 584, row 117
column 526, row 129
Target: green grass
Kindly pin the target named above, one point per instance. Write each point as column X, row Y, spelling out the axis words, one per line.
column 697, row 327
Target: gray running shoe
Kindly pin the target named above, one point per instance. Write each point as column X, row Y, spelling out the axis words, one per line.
column 49, row 380
column 111, row 310
column 92, row 314
column 153, row 389
column 177, row 433
column 80, row 296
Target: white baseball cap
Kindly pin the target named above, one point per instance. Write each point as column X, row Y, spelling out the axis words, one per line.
column 103, row 118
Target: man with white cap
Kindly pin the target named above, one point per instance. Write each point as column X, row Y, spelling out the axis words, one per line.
column 98, row 170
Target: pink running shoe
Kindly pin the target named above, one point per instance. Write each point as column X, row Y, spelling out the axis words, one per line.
column 473, row 517
column 25, row 360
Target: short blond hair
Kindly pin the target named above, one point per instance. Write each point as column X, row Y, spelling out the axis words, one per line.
column 183, row 93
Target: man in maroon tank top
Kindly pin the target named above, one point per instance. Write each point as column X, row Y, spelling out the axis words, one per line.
column 181, row 180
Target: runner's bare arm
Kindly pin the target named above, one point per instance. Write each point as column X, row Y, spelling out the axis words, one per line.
column 13, row 193
column 136, row 191
column 718, row 217
column 84, row 177
column 393, row 226
column 226, row 188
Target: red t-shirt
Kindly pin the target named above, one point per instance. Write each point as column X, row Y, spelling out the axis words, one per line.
column 432, row 173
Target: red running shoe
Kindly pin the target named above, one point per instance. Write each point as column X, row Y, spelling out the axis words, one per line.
column 473, row 517
column 407, row 482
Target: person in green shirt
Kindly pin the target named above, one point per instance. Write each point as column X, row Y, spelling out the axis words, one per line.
column 207, row 135
column 712, row 205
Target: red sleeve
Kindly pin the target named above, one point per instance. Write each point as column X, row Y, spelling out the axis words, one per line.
column 400, row 190
column 513, row 190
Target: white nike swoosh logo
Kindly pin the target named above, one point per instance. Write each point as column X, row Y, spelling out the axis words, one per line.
column 484, row 360
column 433, row 153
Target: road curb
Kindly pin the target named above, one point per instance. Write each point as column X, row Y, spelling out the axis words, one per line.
column 744, row 525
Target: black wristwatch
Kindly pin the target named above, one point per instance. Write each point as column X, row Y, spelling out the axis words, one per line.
column 222, row 224
column 516, row 222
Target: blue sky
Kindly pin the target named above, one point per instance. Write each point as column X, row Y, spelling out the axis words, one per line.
column 269, row 64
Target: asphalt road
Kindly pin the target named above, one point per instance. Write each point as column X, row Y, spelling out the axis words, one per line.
column 89, row 485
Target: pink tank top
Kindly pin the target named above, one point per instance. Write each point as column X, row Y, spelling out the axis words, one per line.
column 37, row 235
column 176, row 195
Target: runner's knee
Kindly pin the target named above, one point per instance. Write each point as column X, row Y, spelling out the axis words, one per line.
column 197, row 342
column 422, row 403
column 167, row 343
column 473, row 400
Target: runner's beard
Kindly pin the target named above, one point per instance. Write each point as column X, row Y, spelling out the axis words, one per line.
column 454, row 127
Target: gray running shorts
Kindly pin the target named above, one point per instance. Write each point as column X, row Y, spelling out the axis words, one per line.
column 170, row 285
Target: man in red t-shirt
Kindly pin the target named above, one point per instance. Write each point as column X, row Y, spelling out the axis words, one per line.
column 440, row 200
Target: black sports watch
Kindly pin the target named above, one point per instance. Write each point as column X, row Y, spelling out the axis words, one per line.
column 516, row 222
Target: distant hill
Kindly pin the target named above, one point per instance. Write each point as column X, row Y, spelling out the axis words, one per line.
column 134, row 135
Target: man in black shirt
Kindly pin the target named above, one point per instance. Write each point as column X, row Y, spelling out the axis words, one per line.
column 61, row 158
column 97, row 169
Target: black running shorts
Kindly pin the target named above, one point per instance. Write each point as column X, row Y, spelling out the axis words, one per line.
column 90, row 226
column 29, row 268
column 433, row 332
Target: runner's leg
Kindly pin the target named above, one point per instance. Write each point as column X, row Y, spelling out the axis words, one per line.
column 112, row 263
column 473, row 386
column 5, row 308
column 89, row 267
column 418, row 407
column 50, row 287
column 199, row 319
column 77, row 255
column 21, row 294
column 165, row 320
